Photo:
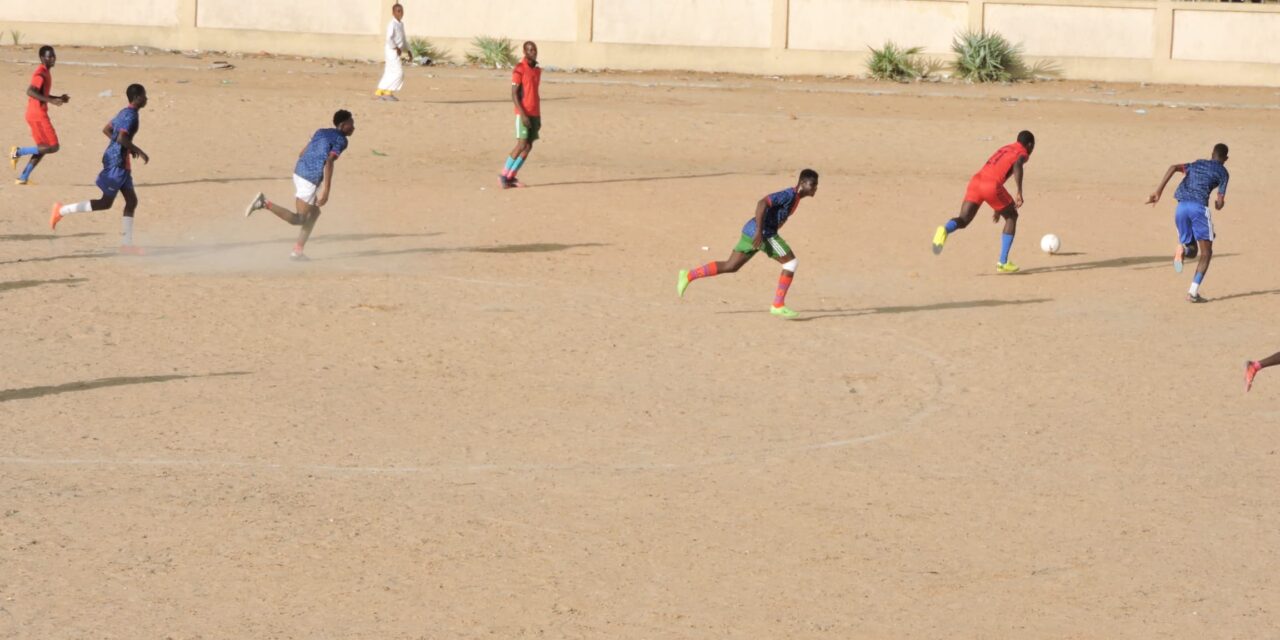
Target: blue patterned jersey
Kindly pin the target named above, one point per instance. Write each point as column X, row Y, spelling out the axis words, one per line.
column 1202, row 176
column 324, row 143
column 115, row 157
column 780, row 207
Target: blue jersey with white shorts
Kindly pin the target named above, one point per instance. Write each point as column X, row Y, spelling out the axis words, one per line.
column 325, row 143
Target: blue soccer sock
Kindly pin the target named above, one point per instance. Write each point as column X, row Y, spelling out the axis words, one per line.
column 506, row 168
column 951, row 226
column 515, row 166
column 28, row 151
column 1006, row 243
column 26, row 172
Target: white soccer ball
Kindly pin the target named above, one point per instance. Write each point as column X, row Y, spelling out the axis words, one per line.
column 1050, row 244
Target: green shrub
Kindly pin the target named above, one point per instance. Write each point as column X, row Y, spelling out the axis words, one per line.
column 492, row 52
column 423, row 49
column 988, row 57
column 892, row 62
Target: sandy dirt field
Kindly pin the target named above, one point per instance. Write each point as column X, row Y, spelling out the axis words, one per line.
column 485, row 414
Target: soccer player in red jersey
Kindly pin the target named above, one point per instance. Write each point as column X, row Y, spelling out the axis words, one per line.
column 1252, row 367
column 988, row 186
column 39, row 97
column 525, row 79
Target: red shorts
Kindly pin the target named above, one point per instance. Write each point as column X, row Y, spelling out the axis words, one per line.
column 989, row 191
column 42, row 132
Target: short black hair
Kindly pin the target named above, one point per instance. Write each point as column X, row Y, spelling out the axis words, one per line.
column 45, row 49
column 134, row 91
column 1026, row 138
column 1220, row 150
column 808, row 174
column 341, row 116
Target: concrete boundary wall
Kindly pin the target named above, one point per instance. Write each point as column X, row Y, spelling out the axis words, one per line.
column 1115, row 40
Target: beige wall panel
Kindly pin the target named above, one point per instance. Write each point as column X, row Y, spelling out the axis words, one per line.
column 1227, row 36
column 346, row 17
column 516, row 19
column 1082, row 32
column 854, row 25
column 703, row 23
column 151, row 13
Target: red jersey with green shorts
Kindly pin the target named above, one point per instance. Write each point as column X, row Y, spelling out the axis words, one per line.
column 38, row 112
column 528, row 77
column 987, row 185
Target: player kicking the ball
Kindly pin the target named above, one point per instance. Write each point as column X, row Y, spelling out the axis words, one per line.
column 988, row 186
column 117, row 169
column 1252, row 368
column 761, row 233
column 1195, row 223
column 312, row 173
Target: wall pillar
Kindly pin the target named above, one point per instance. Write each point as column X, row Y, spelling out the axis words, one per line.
column 586, row 21
column 977, row 15
column 1162, row 52
column 779, row 39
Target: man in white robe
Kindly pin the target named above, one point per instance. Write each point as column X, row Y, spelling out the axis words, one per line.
column 396, row 46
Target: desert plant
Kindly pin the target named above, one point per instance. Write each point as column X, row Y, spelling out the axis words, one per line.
column 892, row 62
column 424, row 50
column 17, row 37
column 988, row 57
column 492, row 52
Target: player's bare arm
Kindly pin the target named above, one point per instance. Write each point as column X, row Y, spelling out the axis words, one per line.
column 1173, row 168
column 323, row 198
column 126, row 143
column 1017, row 180
column 515, row 99
column 761, row 207
column 56, row 101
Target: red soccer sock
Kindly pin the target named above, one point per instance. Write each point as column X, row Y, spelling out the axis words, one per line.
column 705, row 271
column 784, row 283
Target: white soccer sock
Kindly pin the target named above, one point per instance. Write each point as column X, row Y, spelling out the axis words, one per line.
column 1195, row 288
column 79, row 207
column 126, row 235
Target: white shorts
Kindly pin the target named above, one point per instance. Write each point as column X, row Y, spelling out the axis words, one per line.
column 305, row 189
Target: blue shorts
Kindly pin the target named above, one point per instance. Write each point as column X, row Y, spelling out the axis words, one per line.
column 1194, row 222
column 111, row 181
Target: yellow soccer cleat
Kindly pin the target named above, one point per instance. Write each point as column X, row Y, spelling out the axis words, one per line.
column 939, row 239
column 13, row 157
column 1006, row 267
column 682, row 282
column 783, row 312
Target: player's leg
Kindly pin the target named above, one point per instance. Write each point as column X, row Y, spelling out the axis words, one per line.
column 1202, row 229
column 1010, row 215
column 741, row 254
column 517, row 154
column 46, row 142
column 110, row 181
column 261, row 201
column 126, row 221
column 777, row 249
column 968, row 209
column 308, row 214
column 1252, row 368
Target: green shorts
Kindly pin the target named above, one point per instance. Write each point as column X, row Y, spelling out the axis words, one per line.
column 530, row 132
column 774, row 247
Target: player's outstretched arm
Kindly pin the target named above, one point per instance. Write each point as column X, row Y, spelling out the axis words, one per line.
column 1173, row 168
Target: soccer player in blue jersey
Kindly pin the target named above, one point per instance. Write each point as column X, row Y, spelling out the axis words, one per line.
column 313, row 173
column 117, row 169
column 1192, row 217
column 761, row 233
